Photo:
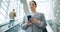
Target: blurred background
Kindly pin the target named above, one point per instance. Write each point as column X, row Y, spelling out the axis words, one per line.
column 51, row 9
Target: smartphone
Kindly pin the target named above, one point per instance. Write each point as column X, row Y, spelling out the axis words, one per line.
column 29, row 17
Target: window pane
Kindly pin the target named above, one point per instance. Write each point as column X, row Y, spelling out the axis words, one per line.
column 3, row 6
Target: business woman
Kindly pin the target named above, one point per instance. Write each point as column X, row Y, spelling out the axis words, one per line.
column 36, row 23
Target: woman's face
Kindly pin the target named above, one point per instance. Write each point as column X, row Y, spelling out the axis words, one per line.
column 32, row 6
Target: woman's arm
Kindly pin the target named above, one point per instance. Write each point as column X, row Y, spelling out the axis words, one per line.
column 25, row 23
column 42, row 22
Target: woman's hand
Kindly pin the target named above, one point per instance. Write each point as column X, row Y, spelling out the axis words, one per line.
column 27, row 23
column 35, row 21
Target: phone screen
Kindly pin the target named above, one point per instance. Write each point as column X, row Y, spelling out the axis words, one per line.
column 29, row 17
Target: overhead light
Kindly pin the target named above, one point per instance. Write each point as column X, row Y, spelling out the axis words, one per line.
column 57, row 10
column 56, row 14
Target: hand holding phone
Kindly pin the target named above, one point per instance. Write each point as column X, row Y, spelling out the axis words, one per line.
column 29, row 17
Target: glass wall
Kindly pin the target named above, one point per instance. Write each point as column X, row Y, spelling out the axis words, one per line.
column 9, row 5
column 3, row 10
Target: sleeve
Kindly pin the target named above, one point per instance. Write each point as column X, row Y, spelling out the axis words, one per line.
column 42, row 22
column 23, row 23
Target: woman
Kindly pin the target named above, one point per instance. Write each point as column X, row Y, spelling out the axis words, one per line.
column 37, row 21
